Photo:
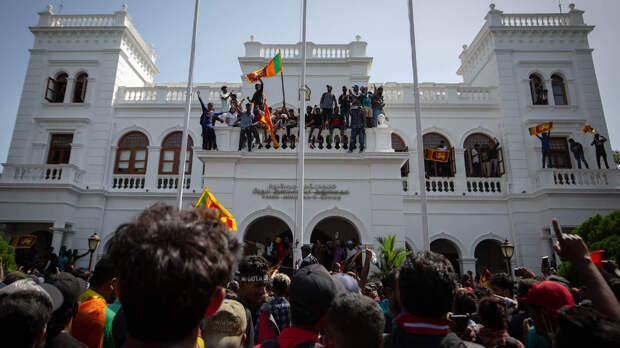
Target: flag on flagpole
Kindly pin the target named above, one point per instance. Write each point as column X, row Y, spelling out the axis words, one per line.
column 207, row 199
column 274, row 68
column 541, row 128
column 436, row 155
column 587, row 129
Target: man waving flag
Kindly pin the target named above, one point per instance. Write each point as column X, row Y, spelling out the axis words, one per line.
column 265, row 119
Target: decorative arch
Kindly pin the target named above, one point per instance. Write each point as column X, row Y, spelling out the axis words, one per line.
column 457, row 243
column 558, row 89
column 490, row 235
column 177, row 128
column 132, row 155
column 472, row 131
column 57, row 87
column 444, row 133
column 538, row 91
column 267, row 211
column 170, row 154
column 337, row 212
column 133, row 128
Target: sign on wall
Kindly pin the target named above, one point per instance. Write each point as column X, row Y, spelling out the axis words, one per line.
column 311, row 191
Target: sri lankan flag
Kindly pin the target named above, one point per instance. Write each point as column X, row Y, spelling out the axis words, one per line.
column 207, row 199
column 436, row 155
column 265, row 119
column 349, row 263
column 587, row 129
column 541, row 128
column 23, row 242
column 274, row 68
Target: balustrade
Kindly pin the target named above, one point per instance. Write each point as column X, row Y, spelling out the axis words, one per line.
column 575, row 178
column 94, row 20
column 42, row 174
column 536, row 20
column 170, row 95
column 437, row 185
column 484, row 186
column 171, row 182
column 128, row 182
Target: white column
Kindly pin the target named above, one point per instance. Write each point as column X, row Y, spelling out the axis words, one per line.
column 152, row 168
column 58, row 231
column 467, row 264
column 549, row 87
column 460, row 176
column 69, row 91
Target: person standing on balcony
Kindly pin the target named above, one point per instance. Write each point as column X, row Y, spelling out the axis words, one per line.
column 545, row 142
column 357, row 125
column 377, row 105
column 443, row 166
column 245, row 124
column 475, row 160
column 207, row 120
column 328, row 101
column 337, row 121
column 577, row 150
column 345, row 105
column 257, row 97
column 599, row 145
column 225, row 97
column 365, row 99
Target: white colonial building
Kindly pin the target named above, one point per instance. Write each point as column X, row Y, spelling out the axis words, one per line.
column 96, row 141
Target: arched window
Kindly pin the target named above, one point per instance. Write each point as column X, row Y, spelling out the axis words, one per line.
column 538, row 90
column 132, row 154
column 484, row 157
column 437, row 168
column 56, row 88
column 170, row 154
column 398, row 144
column 79, row 91
column 559, row 90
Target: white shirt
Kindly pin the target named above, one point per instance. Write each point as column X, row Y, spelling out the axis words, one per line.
column 225, row 97
column 230, row 118
column 475, row 158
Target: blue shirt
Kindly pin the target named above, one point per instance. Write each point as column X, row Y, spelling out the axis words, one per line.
column 245, row 120
column 546, row 143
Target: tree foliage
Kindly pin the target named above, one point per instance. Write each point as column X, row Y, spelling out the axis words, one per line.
column 599, row 233
column 7, row 253
column 389, row 258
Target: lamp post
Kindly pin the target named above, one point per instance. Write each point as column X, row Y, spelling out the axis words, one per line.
column 93, row 244
column 507, row 250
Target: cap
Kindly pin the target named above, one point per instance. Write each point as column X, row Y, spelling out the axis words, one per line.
column 328, row 86
column 356, row 86
column 226, row 326
column 48, row 290
column 311, row 292
column 349, row 284
column 550, row 295
column 70, row 286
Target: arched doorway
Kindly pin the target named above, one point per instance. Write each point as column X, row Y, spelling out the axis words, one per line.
column 264, row 231
column 328, row 234
column 489, row 254
column 449, row 250
column 436, row 168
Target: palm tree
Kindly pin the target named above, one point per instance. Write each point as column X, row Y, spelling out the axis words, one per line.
column 389, row 258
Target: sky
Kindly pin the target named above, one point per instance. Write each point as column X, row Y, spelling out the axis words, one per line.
column 442, row 27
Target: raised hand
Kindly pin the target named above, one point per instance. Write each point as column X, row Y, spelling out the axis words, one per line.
column 570, row 246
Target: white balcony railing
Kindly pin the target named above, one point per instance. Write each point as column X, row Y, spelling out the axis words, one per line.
column 321, row 51
column 485, row 186
column 128, row 183
column 170, row 94
column 171, row 182
column 439, row 94
column 42, row 174
column 536, row 19
column 440, row 185
column 578, row 178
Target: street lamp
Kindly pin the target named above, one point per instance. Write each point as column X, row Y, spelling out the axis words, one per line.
column 93, row 244
column 507, row 250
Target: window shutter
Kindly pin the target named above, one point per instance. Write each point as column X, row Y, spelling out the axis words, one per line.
column 500, row 161
column 83, row 92
column 452, row 162
column 50, row 93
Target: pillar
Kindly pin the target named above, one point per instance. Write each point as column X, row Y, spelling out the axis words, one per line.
column 58, row 231
column 467, row 264
column 152, row 168
column 460, row 176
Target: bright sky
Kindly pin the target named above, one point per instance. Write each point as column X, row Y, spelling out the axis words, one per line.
column 442, row 27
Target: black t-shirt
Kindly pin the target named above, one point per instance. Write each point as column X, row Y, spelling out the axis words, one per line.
column 64, row 340
column 318, row 120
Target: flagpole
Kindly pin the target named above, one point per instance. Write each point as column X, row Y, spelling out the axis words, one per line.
column 188, row 106
column 284, row 108
column 418, row 129
column 301, row 145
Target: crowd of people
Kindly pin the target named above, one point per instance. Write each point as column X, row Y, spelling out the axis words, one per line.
column 356, row 109
column 177, row 279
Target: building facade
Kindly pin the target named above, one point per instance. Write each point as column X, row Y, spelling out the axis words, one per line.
column 96, row 141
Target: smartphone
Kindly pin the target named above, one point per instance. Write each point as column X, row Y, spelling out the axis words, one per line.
column 545, row 262
column 460, row 321
column 517, row 272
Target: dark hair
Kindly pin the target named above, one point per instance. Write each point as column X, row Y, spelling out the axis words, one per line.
column 23, row 315
column 82, row 273
column 253, row 265
column 427, row 284
column 69, row 308
column 492, row 313
column 281, row 282
column 502, row 281
column 174, row 259
column 104, row 271
column 483, row 291
column 389, row 280
column 583, row 326
column 465, row 302
column 355, row 320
